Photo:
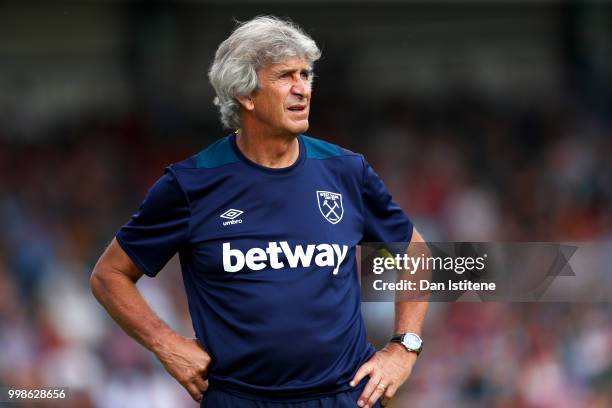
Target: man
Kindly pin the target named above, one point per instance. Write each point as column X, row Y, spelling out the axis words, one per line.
column 265, row 222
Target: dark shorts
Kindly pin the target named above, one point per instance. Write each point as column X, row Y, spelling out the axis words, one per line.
column 217, row 398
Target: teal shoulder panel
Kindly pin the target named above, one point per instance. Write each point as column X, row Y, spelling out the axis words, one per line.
column 217, row 154
column 319, row 149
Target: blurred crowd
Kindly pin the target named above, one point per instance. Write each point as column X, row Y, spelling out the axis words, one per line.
column 463, row 169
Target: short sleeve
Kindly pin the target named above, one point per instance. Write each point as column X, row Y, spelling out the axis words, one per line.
column 160, row 226
column 384, row 220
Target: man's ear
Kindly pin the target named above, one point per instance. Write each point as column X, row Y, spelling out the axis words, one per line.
column 247, row 102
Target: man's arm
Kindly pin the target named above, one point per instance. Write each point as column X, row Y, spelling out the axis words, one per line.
column 113, row 283
column 389, row 368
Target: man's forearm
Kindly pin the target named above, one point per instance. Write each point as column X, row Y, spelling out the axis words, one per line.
column 409, row 316
column 125, row 304
column 113, row 283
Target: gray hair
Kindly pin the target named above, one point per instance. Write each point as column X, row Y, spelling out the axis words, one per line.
column 251, row 46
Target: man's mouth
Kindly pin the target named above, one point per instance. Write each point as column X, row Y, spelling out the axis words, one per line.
column 297, row 107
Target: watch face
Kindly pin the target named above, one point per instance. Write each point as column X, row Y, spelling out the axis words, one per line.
column 412, row 341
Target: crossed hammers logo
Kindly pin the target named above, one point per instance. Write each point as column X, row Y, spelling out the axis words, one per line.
column 332, row 209
column 330, row 205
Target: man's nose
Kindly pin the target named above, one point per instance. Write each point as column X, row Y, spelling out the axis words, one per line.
column 301, row 87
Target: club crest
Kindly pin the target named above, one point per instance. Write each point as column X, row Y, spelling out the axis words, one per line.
column 330, row 205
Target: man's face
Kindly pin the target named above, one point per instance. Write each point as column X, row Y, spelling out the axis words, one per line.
column 282, row 103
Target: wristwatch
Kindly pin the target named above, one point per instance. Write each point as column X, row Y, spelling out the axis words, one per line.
column 411, row 341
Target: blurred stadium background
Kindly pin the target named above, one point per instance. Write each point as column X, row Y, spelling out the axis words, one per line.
column 488, row 121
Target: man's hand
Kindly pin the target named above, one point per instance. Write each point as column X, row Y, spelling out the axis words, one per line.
column 388, row 369
column 188, row 362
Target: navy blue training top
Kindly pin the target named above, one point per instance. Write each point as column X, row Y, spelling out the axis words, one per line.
column 268, row 261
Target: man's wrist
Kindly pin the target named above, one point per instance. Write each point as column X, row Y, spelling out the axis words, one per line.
column 400, row 351
column 161, row 343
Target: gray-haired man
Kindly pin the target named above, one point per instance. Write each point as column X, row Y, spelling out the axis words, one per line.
column 266, row 222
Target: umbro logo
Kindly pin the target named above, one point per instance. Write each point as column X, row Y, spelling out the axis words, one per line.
column 231, row 215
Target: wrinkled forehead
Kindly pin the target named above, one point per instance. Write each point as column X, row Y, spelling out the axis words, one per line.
column 295, row 63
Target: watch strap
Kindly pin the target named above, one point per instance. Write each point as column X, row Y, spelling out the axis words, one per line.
column 399, row 338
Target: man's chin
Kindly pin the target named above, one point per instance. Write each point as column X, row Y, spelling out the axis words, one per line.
column 298, row 127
